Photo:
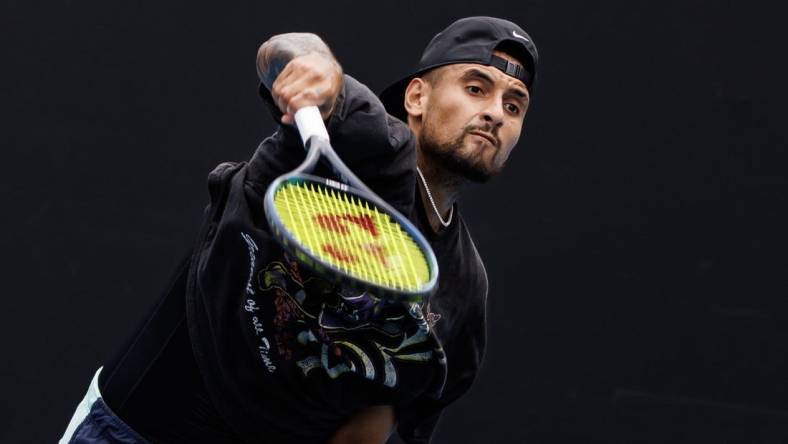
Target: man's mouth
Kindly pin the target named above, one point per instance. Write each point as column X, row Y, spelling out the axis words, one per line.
column 489, row 138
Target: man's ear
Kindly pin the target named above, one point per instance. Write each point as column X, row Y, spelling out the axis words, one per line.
column 416, row 95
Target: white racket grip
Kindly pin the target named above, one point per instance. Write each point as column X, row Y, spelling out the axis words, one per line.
column 310, row 123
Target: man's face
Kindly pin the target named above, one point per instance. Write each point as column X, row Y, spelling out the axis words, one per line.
column 472, row 118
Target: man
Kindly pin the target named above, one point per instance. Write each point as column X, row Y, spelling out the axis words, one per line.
column 264, row 350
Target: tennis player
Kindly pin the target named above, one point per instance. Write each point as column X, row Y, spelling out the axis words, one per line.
column 247, row 345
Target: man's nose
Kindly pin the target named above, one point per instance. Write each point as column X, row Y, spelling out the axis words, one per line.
column 493, row 113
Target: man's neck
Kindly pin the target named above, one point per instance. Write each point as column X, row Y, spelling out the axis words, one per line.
column 444, row 188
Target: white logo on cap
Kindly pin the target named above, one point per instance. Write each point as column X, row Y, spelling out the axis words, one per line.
column 514, row 33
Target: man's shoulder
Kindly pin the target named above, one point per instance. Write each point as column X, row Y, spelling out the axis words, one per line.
column 362, row 119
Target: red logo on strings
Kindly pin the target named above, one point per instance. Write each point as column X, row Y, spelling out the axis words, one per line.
column 338, row 223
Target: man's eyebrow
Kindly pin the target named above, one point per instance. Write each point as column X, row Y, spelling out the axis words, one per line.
column 474, row 73
column 477, row 74
column 524, row 96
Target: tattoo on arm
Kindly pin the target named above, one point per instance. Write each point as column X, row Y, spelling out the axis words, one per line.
column 277, row 51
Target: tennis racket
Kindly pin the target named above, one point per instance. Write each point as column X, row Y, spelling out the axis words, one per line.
column 344, row 231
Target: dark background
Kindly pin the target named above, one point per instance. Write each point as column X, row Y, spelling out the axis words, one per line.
column 635, row 245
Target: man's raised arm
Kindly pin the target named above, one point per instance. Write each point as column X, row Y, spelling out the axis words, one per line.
column 299, row 70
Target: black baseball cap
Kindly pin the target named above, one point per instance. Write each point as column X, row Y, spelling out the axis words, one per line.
column 470, row 40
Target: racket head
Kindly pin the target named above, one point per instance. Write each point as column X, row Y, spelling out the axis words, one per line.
column 351, row 237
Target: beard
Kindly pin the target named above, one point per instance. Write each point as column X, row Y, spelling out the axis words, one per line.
column 451, row 157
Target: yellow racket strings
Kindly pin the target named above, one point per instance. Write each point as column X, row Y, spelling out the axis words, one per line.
column 352, row 235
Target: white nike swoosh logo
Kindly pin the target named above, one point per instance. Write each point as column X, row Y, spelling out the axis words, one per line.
column 516, row 35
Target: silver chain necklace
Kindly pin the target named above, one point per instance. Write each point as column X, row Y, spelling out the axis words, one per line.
column 432, row 201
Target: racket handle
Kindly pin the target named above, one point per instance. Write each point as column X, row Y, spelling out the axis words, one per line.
column 310, row 123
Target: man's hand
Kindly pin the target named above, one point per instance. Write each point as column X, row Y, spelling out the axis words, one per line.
column 372, row 425
column 311, row 79
column 311, row 75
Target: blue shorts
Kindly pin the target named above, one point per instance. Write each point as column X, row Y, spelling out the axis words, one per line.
column 94, row 423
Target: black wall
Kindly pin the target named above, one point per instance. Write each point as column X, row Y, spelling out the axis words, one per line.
column 635, row 245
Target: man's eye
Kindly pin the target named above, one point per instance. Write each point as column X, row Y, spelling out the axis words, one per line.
column 473, row 89
column 512, row 108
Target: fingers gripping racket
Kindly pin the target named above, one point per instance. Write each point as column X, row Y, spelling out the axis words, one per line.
column 342, row 229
